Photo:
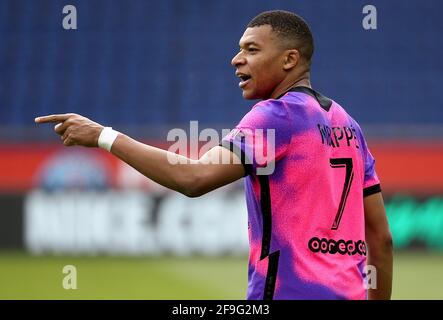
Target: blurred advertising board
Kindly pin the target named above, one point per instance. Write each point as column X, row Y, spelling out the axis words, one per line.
column 403, row 166
column 85, row 201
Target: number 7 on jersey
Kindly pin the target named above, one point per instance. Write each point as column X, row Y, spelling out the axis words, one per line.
column 340, row 163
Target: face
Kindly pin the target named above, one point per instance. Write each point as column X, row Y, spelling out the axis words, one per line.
column 259, row 63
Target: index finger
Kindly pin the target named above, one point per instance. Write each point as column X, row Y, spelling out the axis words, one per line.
column 53, row 118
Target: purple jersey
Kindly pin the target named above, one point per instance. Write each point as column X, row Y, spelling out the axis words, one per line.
column 305, row 212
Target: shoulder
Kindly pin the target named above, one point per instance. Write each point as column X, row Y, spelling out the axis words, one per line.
column 355, row 125
column 273, row 107
column 267, row 113
column 350, row 119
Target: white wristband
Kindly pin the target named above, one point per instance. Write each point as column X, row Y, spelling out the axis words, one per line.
column 107, row 138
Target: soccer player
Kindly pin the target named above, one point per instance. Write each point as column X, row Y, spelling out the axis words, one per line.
column 315, row 210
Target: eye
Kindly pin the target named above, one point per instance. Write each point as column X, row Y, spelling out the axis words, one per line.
column 252, row 49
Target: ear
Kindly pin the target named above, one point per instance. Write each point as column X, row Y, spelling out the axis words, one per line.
column 292, row 57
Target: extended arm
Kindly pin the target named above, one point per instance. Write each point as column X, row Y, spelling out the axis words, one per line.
column 190, row 177
column 379, row 242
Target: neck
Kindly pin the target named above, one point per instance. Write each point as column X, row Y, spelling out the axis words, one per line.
column 301, row 81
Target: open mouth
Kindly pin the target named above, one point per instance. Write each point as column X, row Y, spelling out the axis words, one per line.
column 244, row 79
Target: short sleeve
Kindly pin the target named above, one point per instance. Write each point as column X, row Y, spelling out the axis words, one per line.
column 371, row 183
column 262, row 137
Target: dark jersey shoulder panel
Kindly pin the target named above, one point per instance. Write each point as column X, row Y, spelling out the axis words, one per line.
column 322, row 100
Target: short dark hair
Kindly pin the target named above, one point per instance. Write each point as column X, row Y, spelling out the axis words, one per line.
column 290, row 27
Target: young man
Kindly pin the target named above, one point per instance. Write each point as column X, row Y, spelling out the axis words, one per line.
column 314, row 202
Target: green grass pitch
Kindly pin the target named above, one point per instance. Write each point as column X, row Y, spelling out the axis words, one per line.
column 416, row 276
